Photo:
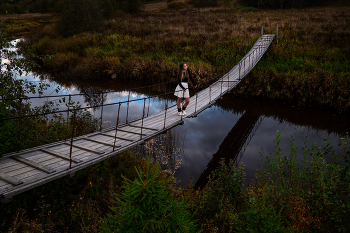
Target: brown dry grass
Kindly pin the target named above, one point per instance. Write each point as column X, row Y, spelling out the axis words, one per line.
column 150, row 45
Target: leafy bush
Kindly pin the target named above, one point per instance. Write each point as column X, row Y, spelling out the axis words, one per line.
column 176, row 5
column 147, row 205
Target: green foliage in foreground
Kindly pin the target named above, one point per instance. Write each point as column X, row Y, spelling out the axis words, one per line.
column 287, row 196
column 148, row 205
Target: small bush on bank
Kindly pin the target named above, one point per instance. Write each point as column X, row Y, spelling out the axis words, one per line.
column 176, row 5
column 147, row 205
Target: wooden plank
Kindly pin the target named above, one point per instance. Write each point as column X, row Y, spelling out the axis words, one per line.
column 12, row 168
column 10, row 179
column 100, row 142
column 62, row 156
column 121, row 130
column 3, row 185
column 108, row 135
column 33, row 164
column 136, row 126
column 7, row 162
column 85, row 148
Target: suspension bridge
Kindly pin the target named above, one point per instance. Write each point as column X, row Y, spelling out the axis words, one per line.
column 26, row 169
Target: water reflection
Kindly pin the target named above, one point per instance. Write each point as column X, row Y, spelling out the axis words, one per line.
column 237, row 128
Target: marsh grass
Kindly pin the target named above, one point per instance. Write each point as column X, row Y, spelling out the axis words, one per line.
column 308, row 65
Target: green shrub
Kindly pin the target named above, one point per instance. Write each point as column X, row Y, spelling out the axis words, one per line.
column 176, row 5
column 148, row 205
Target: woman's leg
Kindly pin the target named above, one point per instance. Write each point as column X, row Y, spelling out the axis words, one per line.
column 178, row 102
column 187, row 102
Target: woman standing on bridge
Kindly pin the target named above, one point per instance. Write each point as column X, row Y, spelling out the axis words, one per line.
column 181, row 90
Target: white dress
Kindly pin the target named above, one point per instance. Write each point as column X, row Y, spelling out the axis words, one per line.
column 180, row 93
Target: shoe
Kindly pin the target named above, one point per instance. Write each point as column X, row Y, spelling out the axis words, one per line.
column 180, row 113
column 184, row 112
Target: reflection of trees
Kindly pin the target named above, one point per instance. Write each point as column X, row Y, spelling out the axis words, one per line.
column 93, row 96
column 165, row 149
column 232, row 146
column 303, row 116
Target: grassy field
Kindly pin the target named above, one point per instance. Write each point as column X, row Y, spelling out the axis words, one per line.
column 18, row 25
column 309, row 65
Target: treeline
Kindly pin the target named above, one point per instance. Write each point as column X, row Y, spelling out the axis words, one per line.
column 102, row 7
column 26, row 6
column 288, row 4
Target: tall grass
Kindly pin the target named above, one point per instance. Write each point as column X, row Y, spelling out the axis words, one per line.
column 309, row 64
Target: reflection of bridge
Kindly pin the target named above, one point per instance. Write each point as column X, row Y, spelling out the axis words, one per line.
column 233, row 145
column 33, row 167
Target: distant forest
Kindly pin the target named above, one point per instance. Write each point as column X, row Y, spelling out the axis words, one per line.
column 49, row 6
column 44, row 6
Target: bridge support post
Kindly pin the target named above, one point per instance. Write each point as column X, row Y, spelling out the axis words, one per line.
column 149, row 98
column 239, row 71
column 116, row 128
column 195, row 108
column 262, row 30
column 71, row 141
column 143, row 115
column 19, row 124
column 209, row 94
column 101, row 112
column 127, row 110
column 65, row 139
column 221, row 87
column 166, row 107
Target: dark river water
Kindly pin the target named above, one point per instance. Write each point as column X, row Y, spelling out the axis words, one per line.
column 234, row 127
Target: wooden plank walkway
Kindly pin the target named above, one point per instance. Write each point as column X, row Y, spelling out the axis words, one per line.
column 33, row 167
